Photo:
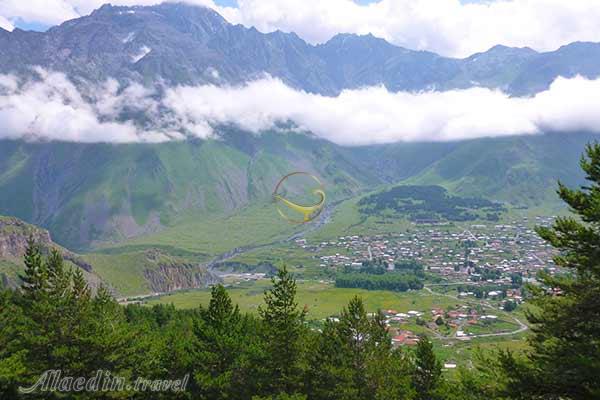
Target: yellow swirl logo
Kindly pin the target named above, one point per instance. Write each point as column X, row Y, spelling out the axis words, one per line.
column 293, row 185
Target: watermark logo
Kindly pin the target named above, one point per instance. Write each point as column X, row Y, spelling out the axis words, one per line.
column 298, row 184
column 103, row 381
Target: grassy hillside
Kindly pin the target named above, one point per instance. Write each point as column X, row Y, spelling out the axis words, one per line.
column 88, row 195
column 522, row 171
column 207, row 197
column 137, row 272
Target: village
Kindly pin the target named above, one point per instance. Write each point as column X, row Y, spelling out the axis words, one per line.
column 497, row 258
column 473, row 254
column 481, row 268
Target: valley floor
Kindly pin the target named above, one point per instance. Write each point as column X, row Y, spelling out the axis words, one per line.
column 471, row 324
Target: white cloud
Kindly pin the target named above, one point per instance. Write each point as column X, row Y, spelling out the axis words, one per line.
column 44, row 11
column 53, row 108
column 53, row 12
column 375, row 115
column 448, row 27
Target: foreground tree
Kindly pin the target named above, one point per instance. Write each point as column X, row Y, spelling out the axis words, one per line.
column 428, row 370
column 54, row 323
column 564, row 362
column 283, row 332
column 220, row 336
column 12, row 355
column 353, row 359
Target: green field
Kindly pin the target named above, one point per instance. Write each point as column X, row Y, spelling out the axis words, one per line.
column 124, row 272
column 321, row 298
column 252, row 226
column 465, row 354
column 500, row 325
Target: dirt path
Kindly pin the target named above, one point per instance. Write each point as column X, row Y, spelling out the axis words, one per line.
column 522, row 327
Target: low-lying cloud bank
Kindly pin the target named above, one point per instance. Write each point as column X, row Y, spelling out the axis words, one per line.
column 52, row 108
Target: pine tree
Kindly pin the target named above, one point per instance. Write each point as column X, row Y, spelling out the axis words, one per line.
column 59, row 279
column 37, row 336
column 283, row 331
column 428, row 370
column 330, row 374
column 82, row 294
column 221, row 314
column 35, row 276
column 103, row 300
column 564, row 362
column 104, row 340
column 219, row 334
column 388, row 371
column 61, row 321
column 354, row 359
column 12, row 356
column 355, row 330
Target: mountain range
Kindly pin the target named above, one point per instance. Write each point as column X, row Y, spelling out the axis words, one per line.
column 91, row 195
column 184, row 44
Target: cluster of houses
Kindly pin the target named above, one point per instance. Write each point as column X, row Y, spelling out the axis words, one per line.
column 505, row 249
column 404, row 338
column 236, row 279
column 455, row 319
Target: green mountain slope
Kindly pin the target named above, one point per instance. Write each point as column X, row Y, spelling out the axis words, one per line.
column 519, row 170
column 208, row 197
column 522, row 171
column 93, row 194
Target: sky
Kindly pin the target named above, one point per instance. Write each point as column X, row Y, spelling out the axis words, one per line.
column 455, row 28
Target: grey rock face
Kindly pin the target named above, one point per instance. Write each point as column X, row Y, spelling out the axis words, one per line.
column 14, row 234
column 168, row 276
column 183, row 44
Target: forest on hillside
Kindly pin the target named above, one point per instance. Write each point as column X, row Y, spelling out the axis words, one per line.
column 429, row 203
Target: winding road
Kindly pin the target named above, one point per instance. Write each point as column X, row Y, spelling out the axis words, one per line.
column 522, row 327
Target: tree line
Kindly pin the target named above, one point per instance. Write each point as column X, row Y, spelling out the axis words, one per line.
column 395, row 281
column 428, row 203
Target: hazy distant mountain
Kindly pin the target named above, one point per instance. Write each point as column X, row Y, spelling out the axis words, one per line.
column 519, row 170
column 179, row 43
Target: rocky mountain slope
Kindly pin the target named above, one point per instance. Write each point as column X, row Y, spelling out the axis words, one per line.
column 154, row 271
column 14, row 237
column 179, row 43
